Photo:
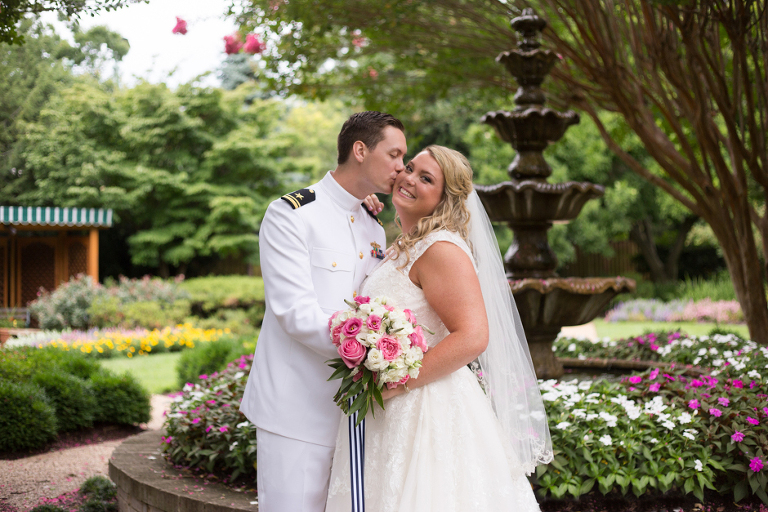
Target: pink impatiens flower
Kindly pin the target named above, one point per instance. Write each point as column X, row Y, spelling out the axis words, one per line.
column 756, row 464
column 737, row 437
column 654, row 387
column 203, row 377
column 223, row 429
column 738, row 384
column 723, row 401
column 208, row 428
column 181, row 26
column 715, row 412
column 196, row 421
column 693, row 404
column 753, row 421
column 654, row 373
column 635, row 379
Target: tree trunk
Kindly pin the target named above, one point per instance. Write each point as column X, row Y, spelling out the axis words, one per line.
column 673, row 259
column 164, row 271
column 642, row 234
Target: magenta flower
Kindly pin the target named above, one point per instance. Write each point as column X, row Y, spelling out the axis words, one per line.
column 737, row 437
column 181, row 26
column 253, row 45
column 203, row 377
column 693, row 404
column 208, row 428
column 715, row 412
column 223, row 429
column 738, row 384
column 723, row 401
column 232, row 43
column 168, row 439
column 196, row 421
column 654, row 374
column 655, row 387
column 654, row 347
column 765, row 410
column 756, row 464
column 696, row 383
column 211, row 402
column 753, row 421
column 635, row 379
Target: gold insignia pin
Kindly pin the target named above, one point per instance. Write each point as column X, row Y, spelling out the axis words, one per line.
column 299, row 196
column 375, row 245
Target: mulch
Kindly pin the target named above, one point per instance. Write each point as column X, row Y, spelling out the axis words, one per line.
column 94, row 435
column 596, row 502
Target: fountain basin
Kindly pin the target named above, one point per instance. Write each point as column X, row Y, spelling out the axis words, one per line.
column 536, row 202
column 546, row 305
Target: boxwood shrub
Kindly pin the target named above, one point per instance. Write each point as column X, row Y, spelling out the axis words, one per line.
column 208, row 358
column 121, row 398
column 72, row 398
column 27, row 418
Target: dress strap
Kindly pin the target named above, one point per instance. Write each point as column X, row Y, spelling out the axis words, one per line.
column 438, row 236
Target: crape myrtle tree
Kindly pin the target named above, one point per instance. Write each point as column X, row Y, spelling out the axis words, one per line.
column 688, row 79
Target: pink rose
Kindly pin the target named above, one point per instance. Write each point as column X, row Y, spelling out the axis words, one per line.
column 417, row 339
column 388, row 308
column 352, row 327
column 410, row 316
column 336, row 334
column 232, row 43
column 352, row 352
column 389, row 346
column 357, row 376
column 181, row 26
column 253, row 45
column 373, row 322
column 362, row 300
column 392, row 385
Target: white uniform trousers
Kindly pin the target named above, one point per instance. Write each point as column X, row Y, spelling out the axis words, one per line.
column 291, row 475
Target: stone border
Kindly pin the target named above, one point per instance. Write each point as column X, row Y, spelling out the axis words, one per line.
column 147, row 483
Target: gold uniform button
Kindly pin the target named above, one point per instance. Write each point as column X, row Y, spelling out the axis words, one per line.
column 333, row 264
column 361, row 255
column 354, row 294
column 352, row 218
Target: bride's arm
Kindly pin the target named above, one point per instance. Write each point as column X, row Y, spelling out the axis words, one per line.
column 450, row 284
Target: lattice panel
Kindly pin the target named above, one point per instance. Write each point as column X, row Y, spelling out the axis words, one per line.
column 78, row 259
column 38, row 270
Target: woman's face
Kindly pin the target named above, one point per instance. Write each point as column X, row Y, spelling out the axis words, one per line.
column 419, row 188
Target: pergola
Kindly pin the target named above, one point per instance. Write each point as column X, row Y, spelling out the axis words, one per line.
column 45, row 246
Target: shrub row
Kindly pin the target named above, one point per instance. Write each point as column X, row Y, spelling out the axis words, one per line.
column 211, row 302
column 653, row 310
column 45, row 391
column 210, row 358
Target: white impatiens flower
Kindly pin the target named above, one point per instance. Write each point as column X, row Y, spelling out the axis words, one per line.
column 591, row 416
column 702, row 352
column 606, row 440
column 243, row 424
column 685, row 418
column 654, row 440
column 698, row 465
column 609, row 419
column 239, row 375
column 571, row 347
column 579, row 413
column 563, row 425
column 232, row 446
column 668, row 425
column 754, row 374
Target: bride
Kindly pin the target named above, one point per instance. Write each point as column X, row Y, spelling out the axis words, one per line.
column 451, row 439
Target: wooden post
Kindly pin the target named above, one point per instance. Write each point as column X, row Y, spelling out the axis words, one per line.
column 13, row 273
column 93, row 255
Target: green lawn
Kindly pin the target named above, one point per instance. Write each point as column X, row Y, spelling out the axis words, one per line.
column 157, row 372
column 615, row 330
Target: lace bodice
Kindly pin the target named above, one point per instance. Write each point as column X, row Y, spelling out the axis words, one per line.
column 391, row 281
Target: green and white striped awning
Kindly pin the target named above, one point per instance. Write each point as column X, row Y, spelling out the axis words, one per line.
column 48, row 216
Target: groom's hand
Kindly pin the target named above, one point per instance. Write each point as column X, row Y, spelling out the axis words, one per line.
column 373, row 204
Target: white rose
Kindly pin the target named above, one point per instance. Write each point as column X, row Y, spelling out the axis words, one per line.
column 343, row 317
column 373, row 338
column 378, row 311
column 412, row 355
column 362, row 337
column 413, row 372
column 365, row 309
column 375, row 361
column 395, row 375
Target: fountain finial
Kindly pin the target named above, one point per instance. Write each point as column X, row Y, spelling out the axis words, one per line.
column 530, row 26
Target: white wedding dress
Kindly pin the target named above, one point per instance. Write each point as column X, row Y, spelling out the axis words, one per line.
column 440, row 447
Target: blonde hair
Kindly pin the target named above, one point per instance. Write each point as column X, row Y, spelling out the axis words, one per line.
column 451, row 212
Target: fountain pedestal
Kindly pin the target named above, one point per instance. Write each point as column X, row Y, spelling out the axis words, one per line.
column 530, row 205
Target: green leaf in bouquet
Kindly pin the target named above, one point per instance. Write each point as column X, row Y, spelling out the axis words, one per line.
column 380, row 400
column 335, row 363
column 352, row 304
column 339, row 373
column 356, row 388
column 357, row 404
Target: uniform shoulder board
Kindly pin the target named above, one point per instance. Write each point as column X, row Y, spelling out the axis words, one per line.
column 369, row 212
column 299, row 198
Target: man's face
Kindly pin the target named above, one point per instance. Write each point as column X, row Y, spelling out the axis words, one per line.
column 381, row 165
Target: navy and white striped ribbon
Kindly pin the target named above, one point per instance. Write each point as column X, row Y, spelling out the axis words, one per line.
column 357, row 460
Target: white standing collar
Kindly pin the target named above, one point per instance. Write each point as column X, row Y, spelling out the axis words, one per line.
column 339, row 195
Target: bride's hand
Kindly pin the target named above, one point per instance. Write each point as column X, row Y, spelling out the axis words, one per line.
column 387, row 393
column 373, row 204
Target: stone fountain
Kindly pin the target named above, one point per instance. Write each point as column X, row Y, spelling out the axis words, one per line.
column 530, row 205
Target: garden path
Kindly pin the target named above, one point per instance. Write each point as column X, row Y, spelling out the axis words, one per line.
column 587, row 331
column 24, row 482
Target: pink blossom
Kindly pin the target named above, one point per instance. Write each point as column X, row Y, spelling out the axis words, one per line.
column 352, row 352
column 203, row 376
column 373, row 322
column 392, row 385
column 417, row 339
column 232, row 43
column 333, row 317
column 196, row 421
column 352, row 327
column 738, row 384
column 373, row 73
column 211, row 402
column 715, row 412
column 208, row 428
column 357, row 376
column 388, row 308
column 224, row 428
column 336, row 334
column 360, row 299
column 737, row 437
column 696, row 383
column 752, row 420
column 765, row 410
column 181, row 26
column 636, row 379
column 389, row 346
column 410, row 316
column 168, row 439
column 654, row 347
column 756, row 464
column 724, row 401
column 242, row 366
column 693, row 404
column 655, row 387
column 253, row 45
column 654, row 373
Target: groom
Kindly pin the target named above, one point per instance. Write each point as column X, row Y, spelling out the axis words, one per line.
column 316, row 245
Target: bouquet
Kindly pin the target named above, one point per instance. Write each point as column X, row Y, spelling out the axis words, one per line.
column 378, row 345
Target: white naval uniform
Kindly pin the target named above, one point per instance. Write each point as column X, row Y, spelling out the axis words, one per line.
column 313, row 256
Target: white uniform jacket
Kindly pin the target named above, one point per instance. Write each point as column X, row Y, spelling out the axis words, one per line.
column 314, row 254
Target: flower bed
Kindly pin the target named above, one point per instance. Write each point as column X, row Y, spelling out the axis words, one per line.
column 206, row 430
column 129, row 342
column 653, row 310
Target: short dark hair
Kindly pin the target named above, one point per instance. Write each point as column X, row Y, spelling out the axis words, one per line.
column 368, row 128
